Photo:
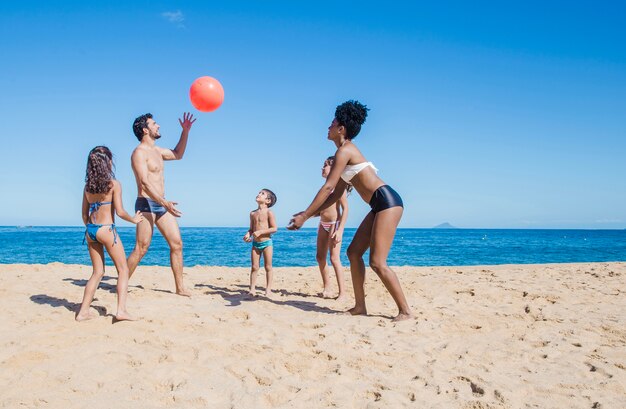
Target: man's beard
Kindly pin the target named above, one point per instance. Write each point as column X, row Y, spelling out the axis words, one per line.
column 156, row 136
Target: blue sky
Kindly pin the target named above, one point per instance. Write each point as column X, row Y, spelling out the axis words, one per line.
column 486, row 114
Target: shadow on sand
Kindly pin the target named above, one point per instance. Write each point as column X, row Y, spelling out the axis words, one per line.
column 81, row 282
column 236, row 296
column 112, row 288
column 63, row 303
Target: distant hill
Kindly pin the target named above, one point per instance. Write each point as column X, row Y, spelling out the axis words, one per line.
column 445, row 225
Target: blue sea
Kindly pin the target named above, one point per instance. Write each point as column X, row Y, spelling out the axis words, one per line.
column 219, row 246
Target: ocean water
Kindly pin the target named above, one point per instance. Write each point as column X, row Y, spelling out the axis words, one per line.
column 217, row 246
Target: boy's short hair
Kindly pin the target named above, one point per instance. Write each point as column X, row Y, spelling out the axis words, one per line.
column 272, row 197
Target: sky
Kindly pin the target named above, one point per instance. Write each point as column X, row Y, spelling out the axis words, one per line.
column 482, row 114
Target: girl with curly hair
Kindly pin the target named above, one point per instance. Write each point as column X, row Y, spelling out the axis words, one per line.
column 378, row 229
column 102, row 198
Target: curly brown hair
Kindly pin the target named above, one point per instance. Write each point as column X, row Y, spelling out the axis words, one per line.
column 99, row 170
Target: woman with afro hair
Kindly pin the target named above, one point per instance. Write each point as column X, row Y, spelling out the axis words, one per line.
column 378, row 228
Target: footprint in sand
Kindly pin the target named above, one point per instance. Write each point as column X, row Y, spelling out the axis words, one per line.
column 242, row 315
column 476, row 390
column 323, row 354
column 309, row 343
column 374, row 395
column 469, row 291
column 593, row 368
column 165, row 358
column 499, row 396
column 262, row 380
column 134, row 363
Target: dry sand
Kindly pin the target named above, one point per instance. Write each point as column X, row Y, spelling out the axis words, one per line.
column 511, row 336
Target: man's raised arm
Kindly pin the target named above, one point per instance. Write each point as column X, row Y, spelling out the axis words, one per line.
column 179, row 151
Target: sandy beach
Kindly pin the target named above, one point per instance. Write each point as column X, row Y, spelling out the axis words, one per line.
column 510, row 336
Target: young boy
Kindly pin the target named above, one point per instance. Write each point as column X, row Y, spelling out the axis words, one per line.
column 262, row 226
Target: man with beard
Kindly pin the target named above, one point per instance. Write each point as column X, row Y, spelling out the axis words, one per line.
column 147, row 162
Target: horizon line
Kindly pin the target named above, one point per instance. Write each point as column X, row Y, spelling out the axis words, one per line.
column 24, row 226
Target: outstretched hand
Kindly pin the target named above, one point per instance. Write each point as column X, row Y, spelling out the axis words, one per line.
column 187, row 121
column 297, row 221
column 138, row 218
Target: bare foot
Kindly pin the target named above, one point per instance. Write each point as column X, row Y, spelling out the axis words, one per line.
column 184, row 292
column 269, row 294
column 251, row 294
column 356, row 311
column 341, row 298
column 402, row 317
column 124, row 316
column 81, row 316
column 325, row 294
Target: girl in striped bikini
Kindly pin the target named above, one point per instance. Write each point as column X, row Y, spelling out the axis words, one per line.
column 329, row 235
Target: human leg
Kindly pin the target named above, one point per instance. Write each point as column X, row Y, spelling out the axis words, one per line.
column 168, row 226
column 116, row 252
column 335, row 260
column 323, row 238
column 96, row 253
column 255, row 258
column 356, row 249
column 143, row 234
column 383, row 232
column 268, row 253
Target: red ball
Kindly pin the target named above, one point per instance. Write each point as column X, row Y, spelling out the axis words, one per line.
column 206, row 94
